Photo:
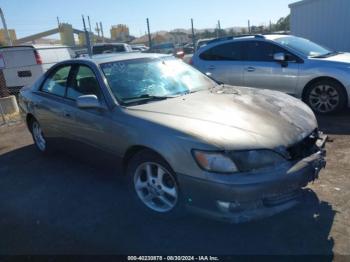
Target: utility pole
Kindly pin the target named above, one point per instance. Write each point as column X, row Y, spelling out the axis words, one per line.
column 7, row 34
column 249, row 26
column 89, row 24
column 97, row 30
column 193, row 37
column 270, row 27
column 101, row 28
column 87, row 38
column 149, row 34
column 58, row 22
column 219, row 28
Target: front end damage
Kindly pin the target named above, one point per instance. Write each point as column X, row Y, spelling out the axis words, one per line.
column 255, row 195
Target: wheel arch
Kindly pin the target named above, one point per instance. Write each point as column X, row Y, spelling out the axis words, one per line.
column 29, row 118
column 133, row 150
column 317, row 79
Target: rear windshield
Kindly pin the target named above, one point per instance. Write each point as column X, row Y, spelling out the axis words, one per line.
column 104, row 49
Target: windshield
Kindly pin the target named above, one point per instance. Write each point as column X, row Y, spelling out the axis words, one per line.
column 304, row 46
column 142, row 78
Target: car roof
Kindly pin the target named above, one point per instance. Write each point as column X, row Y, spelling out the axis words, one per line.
column 276, row 36
column 109, row 44
column 35, row 46
column 115, row 57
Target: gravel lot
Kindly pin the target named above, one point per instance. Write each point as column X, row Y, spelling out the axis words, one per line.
column 64, row 205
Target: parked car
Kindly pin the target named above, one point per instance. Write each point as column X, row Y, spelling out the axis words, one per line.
column 297, row 66
column 166, row 48
column 141, row 48
column 188, row 49
column 231, row 153
column 107, row 48
column 22, row 65
column 203, row 42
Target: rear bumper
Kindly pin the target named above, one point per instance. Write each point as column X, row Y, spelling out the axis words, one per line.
column 243, row 201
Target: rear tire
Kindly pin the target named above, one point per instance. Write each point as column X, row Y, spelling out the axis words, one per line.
column 153, row 186
column 326, row 97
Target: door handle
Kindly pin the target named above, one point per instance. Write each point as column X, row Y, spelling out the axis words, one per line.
column 250, row 69
column 211, row 67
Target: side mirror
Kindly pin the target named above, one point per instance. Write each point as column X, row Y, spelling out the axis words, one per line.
column 88, row 101
column 280, row 57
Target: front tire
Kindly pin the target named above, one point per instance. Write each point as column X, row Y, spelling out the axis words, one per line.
column 326, row 97
column 153, row 185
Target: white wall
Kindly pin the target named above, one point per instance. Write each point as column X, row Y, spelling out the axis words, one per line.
column 326, row 22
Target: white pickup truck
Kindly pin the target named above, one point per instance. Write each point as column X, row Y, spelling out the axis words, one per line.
column 22, row 65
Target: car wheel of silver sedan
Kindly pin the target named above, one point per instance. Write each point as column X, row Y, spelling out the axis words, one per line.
column 154, row 183
column 326, row 97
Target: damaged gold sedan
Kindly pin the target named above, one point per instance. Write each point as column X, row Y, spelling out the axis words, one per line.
column 231, row 153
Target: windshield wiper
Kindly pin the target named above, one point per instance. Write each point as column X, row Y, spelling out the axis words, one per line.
column 144, row 98
column 326, row 55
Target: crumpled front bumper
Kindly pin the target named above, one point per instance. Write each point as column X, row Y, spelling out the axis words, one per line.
column 256, row 195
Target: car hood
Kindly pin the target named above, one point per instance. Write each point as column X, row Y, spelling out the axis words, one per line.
column 234, row 117
column 340, row 58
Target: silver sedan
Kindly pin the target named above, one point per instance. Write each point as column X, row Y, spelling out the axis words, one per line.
column 183, row 140
column 297, row 66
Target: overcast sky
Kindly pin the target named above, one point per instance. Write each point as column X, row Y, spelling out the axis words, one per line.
column 33, row 16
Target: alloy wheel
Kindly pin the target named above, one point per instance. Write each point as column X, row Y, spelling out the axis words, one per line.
column 324, row 98
column 156, row 187
column 38, row 136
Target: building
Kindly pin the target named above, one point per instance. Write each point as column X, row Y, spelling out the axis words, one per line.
column 323, row 21
column 120, row 33
column 67, row 34
column 3, row 37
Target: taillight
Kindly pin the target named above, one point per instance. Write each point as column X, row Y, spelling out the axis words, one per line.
column 191, row 61
column 37, row 58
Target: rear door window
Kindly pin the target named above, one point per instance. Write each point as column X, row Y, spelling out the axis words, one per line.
column 56, row 83
column 224, row 52
column 18, row 56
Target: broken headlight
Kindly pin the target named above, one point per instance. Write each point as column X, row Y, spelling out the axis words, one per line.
column 255, row 159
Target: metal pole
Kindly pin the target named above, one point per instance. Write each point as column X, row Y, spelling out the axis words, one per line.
column 101, row 28
column 193, row 37
column 97, row 30
column 219, row 26
column 87, row 37
column 89, row 24
column 149, row 34
column 249, row 26
column 7, row 34
column 58, row 22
